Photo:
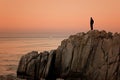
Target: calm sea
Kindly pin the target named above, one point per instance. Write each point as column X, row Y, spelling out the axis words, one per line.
column 11, row 50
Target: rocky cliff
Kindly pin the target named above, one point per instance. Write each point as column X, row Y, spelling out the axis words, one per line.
column 94, row 55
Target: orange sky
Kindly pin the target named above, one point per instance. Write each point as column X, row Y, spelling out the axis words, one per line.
column 59, row 15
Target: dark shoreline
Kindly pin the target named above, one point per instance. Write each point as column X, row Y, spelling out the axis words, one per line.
column 9, row 77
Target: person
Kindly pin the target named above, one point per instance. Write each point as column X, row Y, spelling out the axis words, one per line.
column 91, row 23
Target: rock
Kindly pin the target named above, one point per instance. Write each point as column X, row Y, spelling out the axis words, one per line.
column 34, row 66
column 50, row 67
column 25, row 65
column 9, row 77
column 94, row 55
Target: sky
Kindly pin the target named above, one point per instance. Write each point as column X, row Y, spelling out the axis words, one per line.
column 62, row 16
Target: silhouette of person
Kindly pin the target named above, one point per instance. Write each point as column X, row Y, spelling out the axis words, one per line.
column 91, row 23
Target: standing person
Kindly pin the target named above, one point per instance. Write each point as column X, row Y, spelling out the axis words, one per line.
column 91, row 23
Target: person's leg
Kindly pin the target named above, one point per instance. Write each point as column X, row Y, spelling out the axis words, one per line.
column 91, row 27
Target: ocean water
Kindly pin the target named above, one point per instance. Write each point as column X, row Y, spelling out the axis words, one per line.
column 11, row 50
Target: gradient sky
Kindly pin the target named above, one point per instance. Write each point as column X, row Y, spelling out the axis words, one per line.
column 58, row 15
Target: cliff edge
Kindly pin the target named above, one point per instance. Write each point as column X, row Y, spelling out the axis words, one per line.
column 94, row 55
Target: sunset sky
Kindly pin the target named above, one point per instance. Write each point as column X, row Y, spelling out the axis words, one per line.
column 58, row 15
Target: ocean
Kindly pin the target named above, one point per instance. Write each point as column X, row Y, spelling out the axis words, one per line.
column 11, row 50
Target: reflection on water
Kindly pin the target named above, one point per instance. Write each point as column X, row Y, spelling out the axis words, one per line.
column 8, row 63
column 11, row 49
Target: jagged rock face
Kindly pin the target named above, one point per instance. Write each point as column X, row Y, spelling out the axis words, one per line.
column 94, row 55
column 34, row 66
column 27, row 63
column 91, row 56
